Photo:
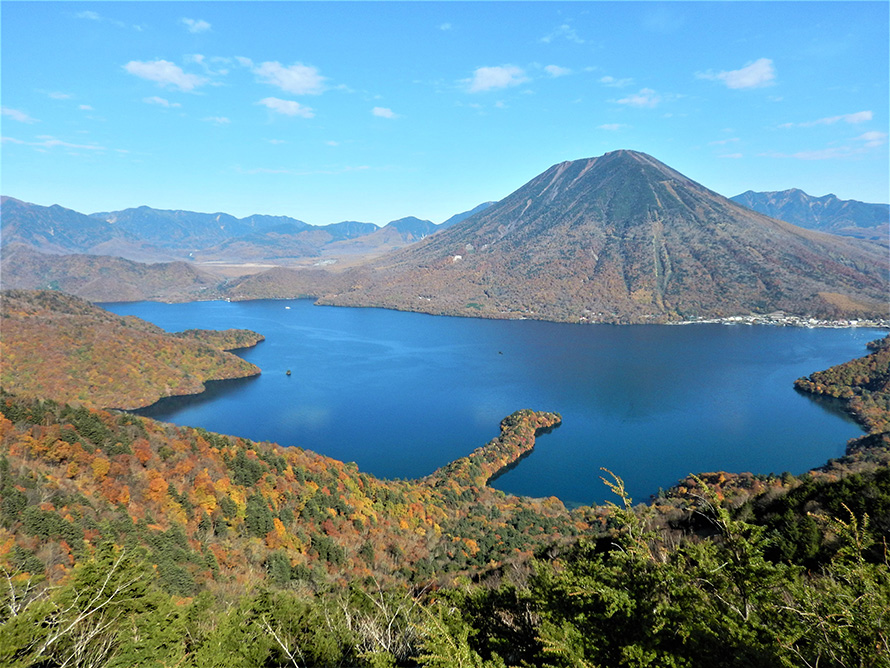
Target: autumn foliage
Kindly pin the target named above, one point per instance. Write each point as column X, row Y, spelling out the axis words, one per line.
column 64, row 348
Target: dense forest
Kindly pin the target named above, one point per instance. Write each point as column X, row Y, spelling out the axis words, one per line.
column 125, row 541
column 64, row 348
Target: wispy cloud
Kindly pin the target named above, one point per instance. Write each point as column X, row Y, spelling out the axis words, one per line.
column 557, row 71
column 160, row 101
column 611, row 127
column 495, row 78
column 47, row 141
column 214, row 67
column 287, row 107
column 758, row 74
column 645, row 99
column 612, row 82
column 17, row 115
column 165, row 73
column 297, row 79
column 195, row 25
column 723, row 142
column 384, row 112
column 869, row 140
column 566, row 32
column 445, row 26
column 95, row 16
column 84, row 107
column 216, row 120
column 873, row 138
column 731, row 156
column 858, row 117
column 57, row 95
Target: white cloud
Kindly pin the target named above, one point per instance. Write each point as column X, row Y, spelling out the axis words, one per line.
column 286, row 107
column 495, row 78
column 297, row 79
column 557, row 71
column 565, row 31
column 208, row 65
column 94, row 16
column 84, row 107
column 164, row 73
column 384, row 112
column 873, row 138
column 445, row 26
column 758, row 74
column 160, row 101
column 858, row 117
column 193, row 25
column 55, row 95
column 723, row 142
column 217, row 120
column 731, row 156
column 611, row 127
column 17, row 115
column 646, row 98
column 615, row 83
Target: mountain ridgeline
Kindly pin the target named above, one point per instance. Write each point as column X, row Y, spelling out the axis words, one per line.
column 625, row 238
column 826, row 214
column 146, row 234
column 620, row 238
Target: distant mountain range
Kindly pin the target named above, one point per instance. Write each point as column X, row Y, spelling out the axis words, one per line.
column 826, row 214
column 624, row 238
column 617, row 238
column 153, row 235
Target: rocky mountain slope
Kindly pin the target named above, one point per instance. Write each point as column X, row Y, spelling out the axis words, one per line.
column 827, row 213
column 625, row 238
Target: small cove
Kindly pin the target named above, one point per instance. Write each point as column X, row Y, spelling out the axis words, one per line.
column 401, row 394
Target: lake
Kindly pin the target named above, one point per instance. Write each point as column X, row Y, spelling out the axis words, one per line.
column 401, row 394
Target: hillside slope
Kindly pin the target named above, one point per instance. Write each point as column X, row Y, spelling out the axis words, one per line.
column 61, row 347
column 625, row 238
column 104, row 278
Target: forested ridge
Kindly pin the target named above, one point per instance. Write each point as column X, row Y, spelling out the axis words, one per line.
column 125, row 541
column 64, row 348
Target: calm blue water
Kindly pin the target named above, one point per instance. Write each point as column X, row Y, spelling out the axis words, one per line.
column 401, row 394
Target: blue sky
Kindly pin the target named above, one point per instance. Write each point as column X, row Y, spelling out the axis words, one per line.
column 373, row 111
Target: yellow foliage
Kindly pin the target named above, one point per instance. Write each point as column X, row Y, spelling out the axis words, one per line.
column 100, row 467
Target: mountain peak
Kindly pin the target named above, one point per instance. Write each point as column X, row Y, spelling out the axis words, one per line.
column 625, row 238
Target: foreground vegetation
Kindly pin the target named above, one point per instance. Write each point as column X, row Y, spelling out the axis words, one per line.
column 124, row 542
column 628, row 597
